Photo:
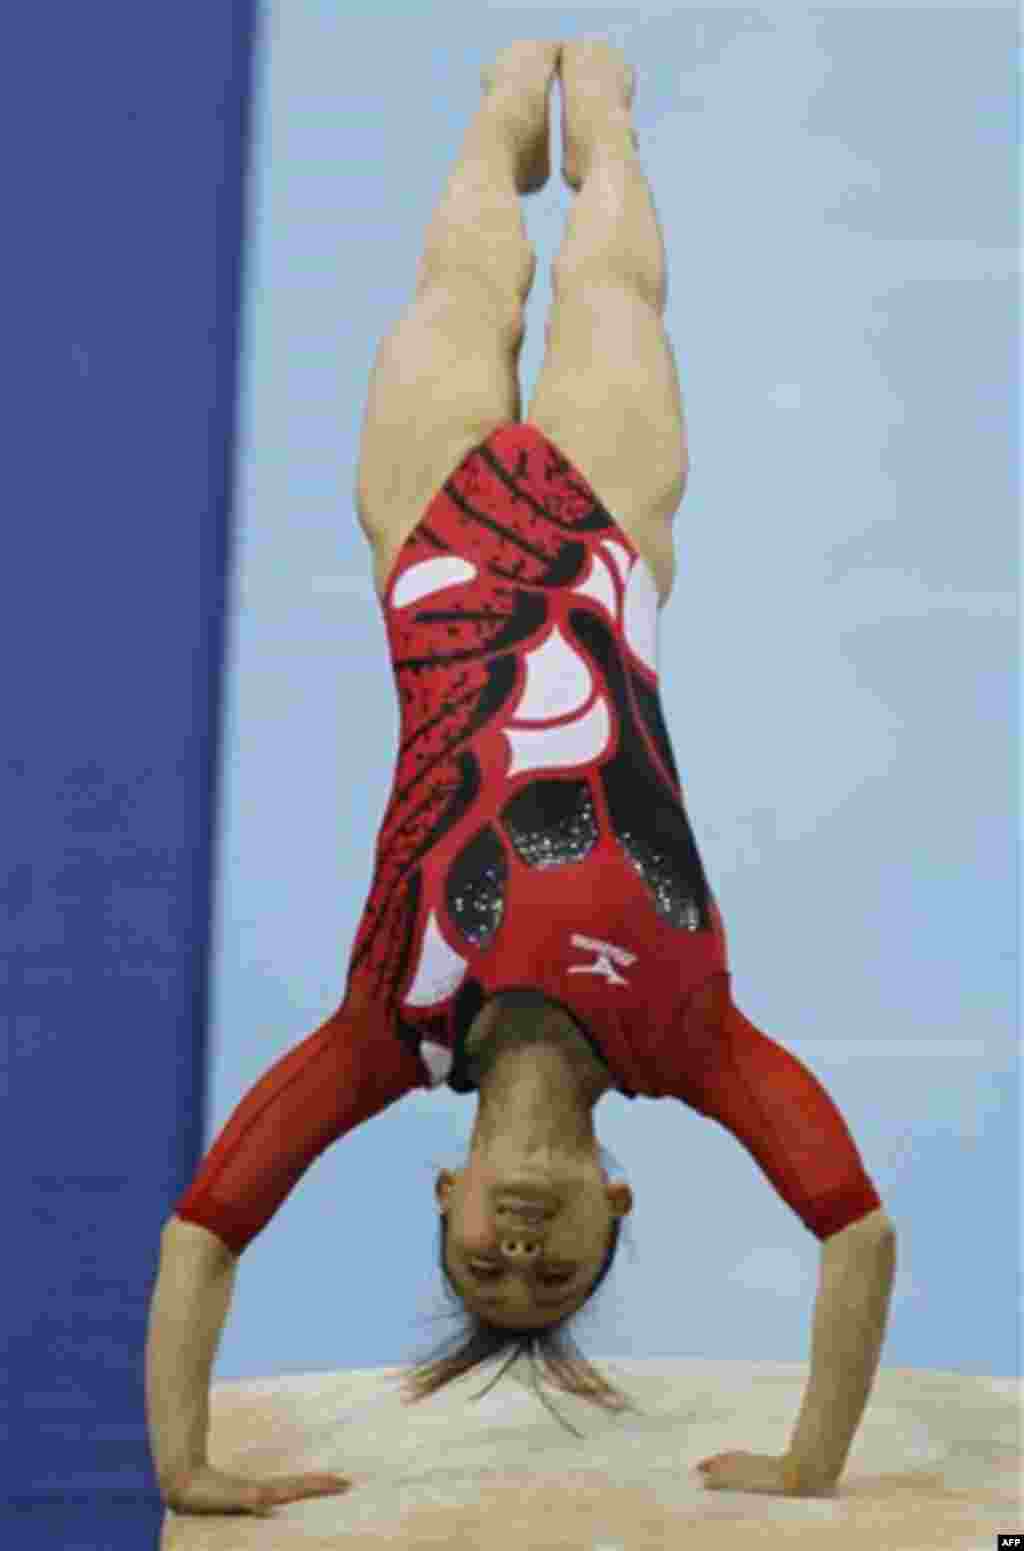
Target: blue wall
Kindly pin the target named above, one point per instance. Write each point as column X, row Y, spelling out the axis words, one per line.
column 125, row 131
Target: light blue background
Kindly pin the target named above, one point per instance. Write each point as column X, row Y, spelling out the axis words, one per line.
column 838, row 657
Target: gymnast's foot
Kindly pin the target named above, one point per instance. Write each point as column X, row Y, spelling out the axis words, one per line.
column 519, row 80
column 598, row 87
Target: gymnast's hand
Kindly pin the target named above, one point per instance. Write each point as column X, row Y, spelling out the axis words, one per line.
column 206, row 1490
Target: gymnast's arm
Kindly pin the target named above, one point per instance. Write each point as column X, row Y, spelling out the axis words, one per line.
column 786, row 1119
column 190, row 1302
column 346, row 1071
column 777, row 1109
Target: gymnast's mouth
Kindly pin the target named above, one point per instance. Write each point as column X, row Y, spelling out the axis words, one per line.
column 530, row 1210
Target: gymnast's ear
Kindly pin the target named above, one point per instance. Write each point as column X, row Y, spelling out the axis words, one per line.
column 443, row 1186
column 620, row 1198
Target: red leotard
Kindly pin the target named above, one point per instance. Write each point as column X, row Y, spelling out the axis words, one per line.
column 536, row 838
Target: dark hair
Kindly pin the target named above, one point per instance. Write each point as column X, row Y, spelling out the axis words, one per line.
column 564, row 1363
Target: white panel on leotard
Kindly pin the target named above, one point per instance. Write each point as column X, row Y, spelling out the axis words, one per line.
column 620, row 555
column 429, row 576
column 437, row 1060
column 440, row 969
column 640, row 621
column 558, row 681
column 578, row 743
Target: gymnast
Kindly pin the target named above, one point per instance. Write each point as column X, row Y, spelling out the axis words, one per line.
column 539, row 929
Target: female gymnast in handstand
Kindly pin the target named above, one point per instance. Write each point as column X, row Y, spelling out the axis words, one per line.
column 540, row 929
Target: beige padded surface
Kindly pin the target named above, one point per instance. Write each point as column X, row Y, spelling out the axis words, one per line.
column 936, row 1464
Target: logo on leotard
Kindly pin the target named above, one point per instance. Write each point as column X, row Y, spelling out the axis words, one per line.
column 606, row 951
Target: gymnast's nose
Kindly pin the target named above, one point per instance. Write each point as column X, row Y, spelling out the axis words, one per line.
column 520, row 1230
